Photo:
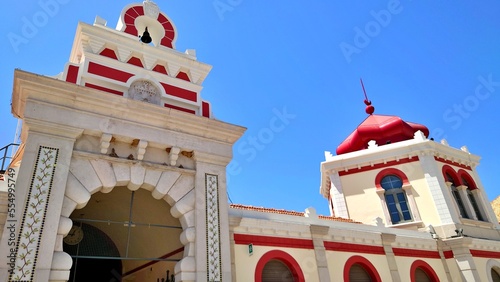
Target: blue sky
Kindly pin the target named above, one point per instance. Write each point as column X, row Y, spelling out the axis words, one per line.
column 289, row 71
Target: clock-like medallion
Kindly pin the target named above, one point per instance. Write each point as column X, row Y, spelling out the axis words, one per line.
column 74, row 236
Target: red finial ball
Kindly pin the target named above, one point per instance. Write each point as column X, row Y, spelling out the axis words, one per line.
column 369, row 108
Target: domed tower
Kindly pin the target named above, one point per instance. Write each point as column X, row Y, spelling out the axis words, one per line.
column 388, row 173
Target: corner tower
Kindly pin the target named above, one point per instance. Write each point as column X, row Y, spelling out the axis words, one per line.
column 122, row 171
column 388, row 173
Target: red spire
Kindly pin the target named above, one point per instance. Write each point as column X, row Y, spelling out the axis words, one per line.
column 369, row 108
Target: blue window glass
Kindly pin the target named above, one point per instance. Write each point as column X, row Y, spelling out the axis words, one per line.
column 395, row 198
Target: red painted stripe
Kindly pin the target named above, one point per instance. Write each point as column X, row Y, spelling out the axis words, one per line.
column 448, row 254
column 109, row 53
column 180, row 109
column 452, row 163
column 243, row 239
column 356, row 248
column 179, row 92
column 135, row 61
column 89, row 85
column 205, row 109
column 182, row 75
column 378, row 166
column 153, row 262
column 415, row 253
column 108, row 72
column 160, row 69
column 72, row 74
column 485, row 254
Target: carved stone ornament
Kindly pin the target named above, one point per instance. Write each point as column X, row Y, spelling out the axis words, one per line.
column 145, row 91
column 151, row 9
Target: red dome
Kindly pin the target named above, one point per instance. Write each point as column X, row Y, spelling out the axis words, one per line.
column 382, row 129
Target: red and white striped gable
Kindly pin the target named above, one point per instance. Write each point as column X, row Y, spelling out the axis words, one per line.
column 112, row 60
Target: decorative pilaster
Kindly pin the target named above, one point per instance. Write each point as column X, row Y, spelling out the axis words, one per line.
column 214, row 263
column 387, row 240
column 33, row 216
column 318, row 232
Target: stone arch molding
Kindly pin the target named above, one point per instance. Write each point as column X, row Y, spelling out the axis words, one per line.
column 90, row 175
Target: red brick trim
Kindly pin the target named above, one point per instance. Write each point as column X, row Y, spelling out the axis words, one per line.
column 485, row 254
column 243, row 239
column 415, row 253
column 452, row 163
column 378, row 166
column 355, row 248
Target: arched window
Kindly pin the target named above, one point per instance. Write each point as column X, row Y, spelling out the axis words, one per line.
column 276, row 271
column 495, row 277
column 472, row 199
column 395, row 198
column 456, row 194
column 357, row 273
column 420, row 271
column 359, row 269
column 277, row 265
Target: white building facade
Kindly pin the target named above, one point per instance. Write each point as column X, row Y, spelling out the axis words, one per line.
column 121, row 176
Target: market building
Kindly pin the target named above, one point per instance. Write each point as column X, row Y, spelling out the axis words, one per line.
column 121, row 176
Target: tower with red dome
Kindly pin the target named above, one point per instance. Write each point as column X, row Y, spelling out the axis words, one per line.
column 388, row 172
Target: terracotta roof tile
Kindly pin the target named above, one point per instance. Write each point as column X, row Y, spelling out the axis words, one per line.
column 281, row 211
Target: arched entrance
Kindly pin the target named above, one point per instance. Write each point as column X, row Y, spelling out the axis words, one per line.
column 123, row 235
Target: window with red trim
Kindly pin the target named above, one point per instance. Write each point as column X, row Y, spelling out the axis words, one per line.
column 420, row 271
column 395, row 198
column 462, row 180
column 358, row 268
column 271, row 260
column 390, row 181
column 450, row 178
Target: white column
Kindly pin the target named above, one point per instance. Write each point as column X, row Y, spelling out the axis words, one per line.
column 337, row 195
column 440, row 193
column 317, row 233
column 462, row 192
column 40, row 190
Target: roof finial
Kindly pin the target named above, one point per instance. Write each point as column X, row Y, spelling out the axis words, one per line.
column 369, row 108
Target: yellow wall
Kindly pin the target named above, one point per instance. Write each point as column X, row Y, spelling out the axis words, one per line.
column 246, row 264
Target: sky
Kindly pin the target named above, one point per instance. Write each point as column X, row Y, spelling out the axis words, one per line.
column 289, row 72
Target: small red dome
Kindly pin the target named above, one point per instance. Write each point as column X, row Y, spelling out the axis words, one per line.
column 382, row 129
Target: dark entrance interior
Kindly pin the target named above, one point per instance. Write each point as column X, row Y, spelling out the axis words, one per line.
column 96, row 243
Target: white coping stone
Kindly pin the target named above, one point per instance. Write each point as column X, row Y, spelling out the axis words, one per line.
column 65, row 224
column 122, row 173
column 167, row 180
column 76, row 191
column 151, row 179
column 68, row 207
column 186, row 264
column 84, row 172
column 105, row 173
column 184, row 205
column 188, row 235
column 187, row 219
column 137, row 173
column 183, row 185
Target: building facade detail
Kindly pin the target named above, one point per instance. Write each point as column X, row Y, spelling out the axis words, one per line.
column 33, row 218
column 213, row 230
column 122, row 177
